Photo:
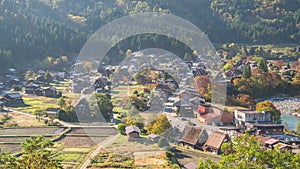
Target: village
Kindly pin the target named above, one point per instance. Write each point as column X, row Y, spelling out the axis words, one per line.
column 146, row 104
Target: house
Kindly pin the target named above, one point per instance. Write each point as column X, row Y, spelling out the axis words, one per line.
column 267, row 129
column 215, row 141
column 184, row 108
column 153, row 138
column 50, row 92
column 30, row 88
column 38, row 92
column 156, row 104
column 271, row 142
column 248, row 116
column 281, row 147
column 132, row 132
column 52, row 112
column 12, row 100
column 194, row 137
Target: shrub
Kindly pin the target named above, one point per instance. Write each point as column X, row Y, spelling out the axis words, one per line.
column 121, row 128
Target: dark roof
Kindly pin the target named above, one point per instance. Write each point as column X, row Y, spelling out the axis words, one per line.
column 191, row 135
column 13, row 95
column 130, row 129
column 215, row 140
column 153, row 136
column 52, row 109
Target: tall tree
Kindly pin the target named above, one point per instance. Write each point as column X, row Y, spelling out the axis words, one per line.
column 247, row 72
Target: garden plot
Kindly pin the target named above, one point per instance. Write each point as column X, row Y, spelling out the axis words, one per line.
column 31, row 131
column 79, row 141
column 12, row 148
column 101, row 131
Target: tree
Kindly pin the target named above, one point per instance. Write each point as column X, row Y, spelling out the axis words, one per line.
column 268, row 106
column 35, row 154
column 247, row 72
column 121, row 128
column 8, row 161
column 159, row 125
column 262, row 64
column 247, row 154
column 104, row 104
column 29, row 74
column 48, row 77
column 61, row 102
column 297, row 128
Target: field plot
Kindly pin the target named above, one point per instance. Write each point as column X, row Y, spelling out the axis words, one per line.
column 78, row 141
column 185, row 156
column 101, row 131
column 21, row 120
column 12, row 148
column 12, row 139
column 112, row 160
column 71, row 159
column 31, row 131
column 37, row 103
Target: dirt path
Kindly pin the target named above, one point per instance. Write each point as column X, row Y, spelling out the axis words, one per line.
column 97, row 150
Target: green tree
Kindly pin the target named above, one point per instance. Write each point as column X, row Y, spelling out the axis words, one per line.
column 247, row 72
column 248, row 154
column 262, row 64
column 8, row 161
column 268, row 106
column 104, row 104
column 297, row 128
column 48, row 77
column 29, row 74
column 121, row 128
column 61, row 102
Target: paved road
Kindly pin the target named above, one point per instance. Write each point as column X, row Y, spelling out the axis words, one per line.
column 96, row 151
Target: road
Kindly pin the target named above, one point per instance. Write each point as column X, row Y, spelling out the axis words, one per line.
column 96, row 151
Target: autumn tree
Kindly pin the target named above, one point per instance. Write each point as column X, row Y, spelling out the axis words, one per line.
column 203, row 85
column 159, row 125
column 268, row 106
column 61, row 102
column 29, row 74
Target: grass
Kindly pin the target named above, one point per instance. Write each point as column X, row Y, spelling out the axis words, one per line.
column 21, row 120
column 37, row 103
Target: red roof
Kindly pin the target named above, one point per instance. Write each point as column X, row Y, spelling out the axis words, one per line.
column 272, row 141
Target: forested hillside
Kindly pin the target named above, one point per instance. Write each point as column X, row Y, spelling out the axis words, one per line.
column 32, row 30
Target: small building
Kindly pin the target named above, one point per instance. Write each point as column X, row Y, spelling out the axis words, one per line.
column 156, row 104
column 248, row 116
column 132, row 132
column 269, row 129
column 194, row 137
column 12, row 100
column 39, row 92
column 281, row 147
column 153, row 138
column 50, row 92
column 271, row 142
column 30, row 88
column 52, row 112
column 215, row 141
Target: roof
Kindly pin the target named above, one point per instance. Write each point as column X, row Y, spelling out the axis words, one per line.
column 153, row 136
column 191, row 135
column 227, row 117
column 272, row 141
column 215, row 140
column 52, row 109
column 281, row 145
column 262, row 139
column 191, row 165
column 130, row 129
column 13, row 95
